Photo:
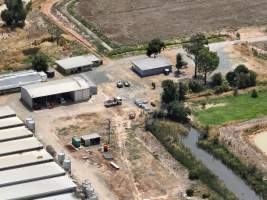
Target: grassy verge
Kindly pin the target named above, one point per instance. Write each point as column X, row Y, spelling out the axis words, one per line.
column 250, row 174
column 168, row 134
column 232, row 108
column 122, row 50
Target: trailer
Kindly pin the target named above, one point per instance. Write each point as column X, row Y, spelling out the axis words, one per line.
column 113, row 102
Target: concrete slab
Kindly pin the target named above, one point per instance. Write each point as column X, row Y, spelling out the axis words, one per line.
column 10, row 122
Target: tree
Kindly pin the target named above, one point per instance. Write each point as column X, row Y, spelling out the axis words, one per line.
column 195, row 44
column 207, row 61
column 182, row 91
column 40, row 62
column 155, row 47
column 217, row 79
column 16, row 13
column 230, row 77
column 241, row 77
column 195, row 86
column 179, row 62
column 169, row 91
column 178, row 112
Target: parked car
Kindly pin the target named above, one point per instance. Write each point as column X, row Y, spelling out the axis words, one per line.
column 126, row 84
column 120, row 84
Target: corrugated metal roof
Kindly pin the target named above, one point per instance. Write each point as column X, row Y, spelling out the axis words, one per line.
column 21, row 145
column 6, row 111
column 24, row 159
column 56, row 87
column 30, row 173
column 61, row 197
column 90, row 136
column 10, row 122
column 152, row 63
column 14, row 133
column 18, row 79
column 78, row 61
column 37, row 189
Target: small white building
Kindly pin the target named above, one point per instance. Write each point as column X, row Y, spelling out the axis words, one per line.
column 90, row 139
column 151, row 66
column 78, row 64
column 52, row 93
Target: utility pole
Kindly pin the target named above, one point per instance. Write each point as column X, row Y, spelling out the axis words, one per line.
column 109, row 131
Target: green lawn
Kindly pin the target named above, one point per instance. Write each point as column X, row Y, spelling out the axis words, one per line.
column 242, row 107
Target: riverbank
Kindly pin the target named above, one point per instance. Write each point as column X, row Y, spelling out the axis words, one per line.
column 170, row 137
column 249, row 173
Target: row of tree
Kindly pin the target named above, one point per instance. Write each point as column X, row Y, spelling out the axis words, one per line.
column 205, row 60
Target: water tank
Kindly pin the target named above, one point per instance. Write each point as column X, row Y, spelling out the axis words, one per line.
column 61, row 157
column 30, row 124
column 67, row 165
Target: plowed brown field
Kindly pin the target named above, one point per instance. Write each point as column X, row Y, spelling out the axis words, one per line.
column 136, row 21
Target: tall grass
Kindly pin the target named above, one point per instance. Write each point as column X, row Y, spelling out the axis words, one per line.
column 168, row 133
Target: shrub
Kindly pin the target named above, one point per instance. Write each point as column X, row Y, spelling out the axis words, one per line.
column 178, row 112
column 230, row 77
column 190, row 192
column 205, row 195
column 193, row 175
column 195, row 86
column 235, row 92
column 221, row 88
column 254, row 94
column 217, row 79
column 241, row 69
column 241, row 77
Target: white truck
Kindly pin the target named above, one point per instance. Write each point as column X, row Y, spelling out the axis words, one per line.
column 113, row 102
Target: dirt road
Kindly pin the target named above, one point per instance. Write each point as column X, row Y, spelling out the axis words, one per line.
column 47, row 10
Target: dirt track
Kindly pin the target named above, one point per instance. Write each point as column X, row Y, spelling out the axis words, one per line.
column 137, row 21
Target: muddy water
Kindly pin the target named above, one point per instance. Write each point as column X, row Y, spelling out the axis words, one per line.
column 233, row 182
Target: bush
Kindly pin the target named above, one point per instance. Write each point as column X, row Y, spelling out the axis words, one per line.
column 230, row 77
column 190, row 192
column 221, row 88
column 193, row 175
column 205, row 195
column 178, row 112
column 195, row 86
column 241, row 77
column 254, row 94
column 217, row 79
column 241, row 69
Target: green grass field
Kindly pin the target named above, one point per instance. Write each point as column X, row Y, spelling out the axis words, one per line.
column 242, row 107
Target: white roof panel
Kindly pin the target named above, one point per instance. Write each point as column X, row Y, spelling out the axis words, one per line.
column 6, row 111
column 78, row 61
column 10, row 122
column 24, row 159
column 30, row 173
column 21, row 145
column 14, row 133
column 61, row 197
column 37, row 189
column 56, row 87
column 152, row 63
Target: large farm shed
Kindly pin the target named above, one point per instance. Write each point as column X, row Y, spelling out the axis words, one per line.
column 14, row 81
column 151, row 66
column 49, row 94
column 78, row 64
column 27, row 170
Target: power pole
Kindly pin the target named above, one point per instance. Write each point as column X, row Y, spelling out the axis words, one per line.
column 109, row 131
